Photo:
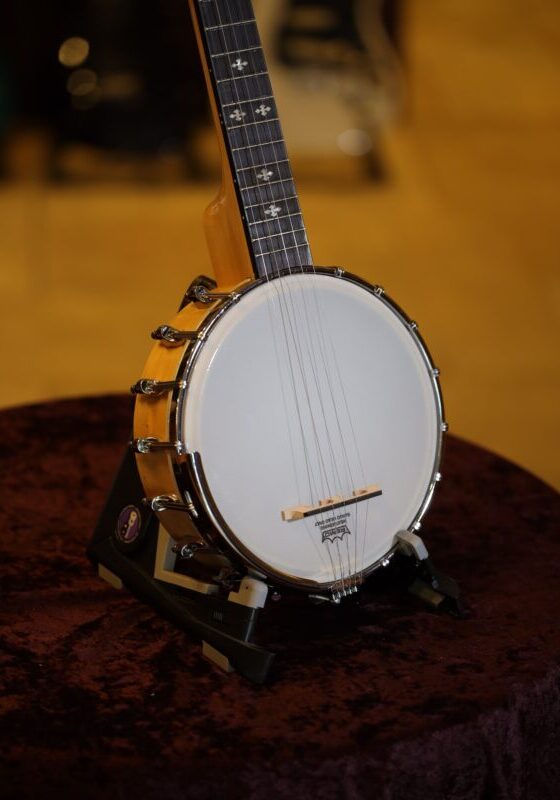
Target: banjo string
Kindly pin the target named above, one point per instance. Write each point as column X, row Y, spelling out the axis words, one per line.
column 275, row 259
column 352, row 484
column 289, row 315
column 326, row 338
column 277, row 285
column 297, row 339
column 360, row 464
column 312, row 359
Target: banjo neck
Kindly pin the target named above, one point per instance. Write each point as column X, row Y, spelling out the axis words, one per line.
column 258, row 185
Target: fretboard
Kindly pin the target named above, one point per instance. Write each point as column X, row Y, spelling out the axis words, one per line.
column 253, row 137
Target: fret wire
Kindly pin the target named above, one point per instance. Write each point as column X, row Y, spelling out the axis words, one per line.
column 229, row 24
column 282, row 249
column 268, row 221
column 269, row 201
column 235, row 52
column 266, row 183
column 268, row 164
column 260, row 144
column 254, row 122
column 249, row 100
column 242, row 77
column 278, row 242
column 294, row 230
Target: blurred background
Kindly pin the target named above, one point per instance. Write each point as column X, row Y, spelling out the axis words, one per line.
column 434, row 171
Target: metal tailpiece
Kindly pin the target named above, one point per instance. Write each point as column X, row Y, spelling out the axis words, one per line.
column 338, row 594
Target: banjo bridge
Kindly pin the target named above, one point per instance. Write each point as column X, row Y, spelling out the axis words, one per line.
column 330, row 503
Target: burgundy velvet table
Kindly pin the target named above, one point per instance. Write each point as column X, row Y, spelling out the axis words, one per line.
column 102, row 698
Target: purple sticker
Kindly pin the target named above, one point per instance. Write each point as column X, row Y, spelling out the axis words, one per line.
column 128, row 524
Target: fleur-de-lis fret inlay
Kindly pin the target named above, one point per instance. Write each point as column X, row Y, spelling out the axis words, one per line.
column 263, row 110
column 237, row 115
column 265, row 174
column 240, row 65
column 272, row 210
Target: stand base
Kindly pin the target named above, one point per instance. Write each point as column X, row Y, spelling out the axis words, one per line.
column 131, row 550
column 224, row 626
column 426, row 582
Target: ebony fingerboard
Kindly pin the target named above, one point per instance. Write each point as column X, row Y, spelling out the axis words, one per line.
column 258, row 157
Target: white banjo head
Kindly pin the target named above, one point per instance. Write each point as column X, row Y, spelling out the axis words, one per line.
column 316, row 416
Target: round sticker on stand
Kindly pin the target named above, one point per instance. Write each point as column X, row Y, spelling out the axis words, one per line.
column 128, row 528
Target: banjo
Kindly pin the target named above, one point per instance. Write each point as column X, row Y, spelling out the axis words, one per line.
column 289, row 422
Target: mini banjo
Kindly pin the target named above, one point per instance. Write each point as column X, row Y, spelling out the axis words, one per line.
column 289, row 421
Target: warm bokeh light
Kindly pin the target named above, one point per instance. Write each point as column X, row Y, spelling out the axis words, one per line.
column 73, row 51
column 81, row 82
column 121, row 85
column 354, row 142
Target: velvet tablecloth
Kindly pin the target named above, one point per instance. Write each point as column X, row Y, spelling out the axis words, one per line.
column 102, row 698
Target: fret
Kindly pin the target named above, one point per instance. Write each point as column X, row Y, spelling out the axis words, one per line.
column 240, row 91
column 253, row 137
column 249, row 100
column 286, row 259
column 281, row 225
column 229, row 24
column 245, row 125
column 220, row 12
column 262, row 238
column 256, row 167
column 277, row 196
column 225, row 39
column 284, row 216
column 280, row 250
column 255, row 205
column 275, row 244
column 266, row 152
column 260, row 144
column 251, row 183
column 270, row 211
column 266, row 184
column 242, row 77
column 249, row 176
column 269, row 192
column 226, row 12
column 239, row 65
column 236, row 52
